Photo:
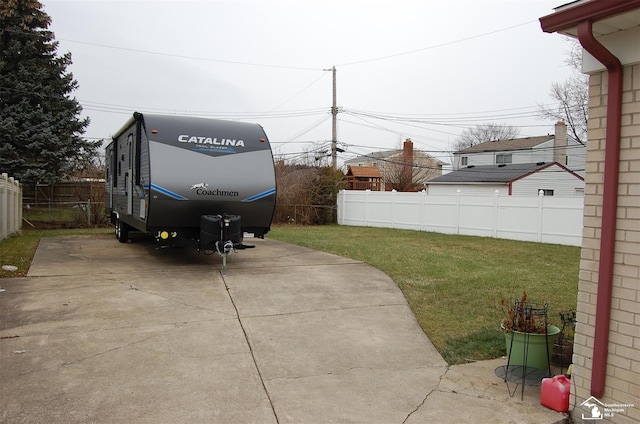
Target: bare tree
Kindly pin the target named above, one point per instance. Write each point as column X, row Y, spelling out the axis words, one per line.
column 408, row 177
column 572, row 97
column 484, row 132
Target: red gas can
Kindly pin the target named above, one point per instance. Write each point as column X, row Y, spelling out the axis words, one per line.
column 554, row 393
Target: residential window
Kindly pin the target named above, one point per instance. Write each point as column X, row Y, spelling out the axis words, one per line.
column 503, row 158
column 546, row 191
column 464, row 161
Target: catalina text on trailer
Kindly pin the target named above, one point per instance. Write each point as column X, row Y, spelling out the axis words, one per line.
column 184, row 138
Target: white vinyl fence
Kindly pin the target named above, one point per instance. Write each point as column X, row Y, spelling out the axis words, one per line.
column 10, row 206
column 556, row 220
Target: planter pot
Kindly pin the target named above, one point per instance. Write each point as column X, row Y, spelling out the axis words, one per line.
column 537, row 354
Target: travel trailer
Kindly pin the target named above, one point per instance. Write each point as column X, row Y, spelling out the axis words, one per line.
column 190, row 181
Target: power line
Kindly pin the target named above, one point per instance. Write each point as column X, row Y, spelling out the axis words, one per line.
column 435, row 46
column 230, row 62
column 299, row 92
column 452, row 113
column 442, row 119
column 302, row 68
column 306, row 130
column 124, row 109
column 454, row 120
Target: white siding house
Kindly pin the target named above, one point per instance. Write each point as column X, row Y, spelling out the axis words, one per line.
column 557, row 147
column 525, row 179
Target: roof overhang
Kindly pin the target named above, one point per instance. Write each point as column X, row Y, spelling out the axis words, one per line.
column 614, row 23
column 608, row 16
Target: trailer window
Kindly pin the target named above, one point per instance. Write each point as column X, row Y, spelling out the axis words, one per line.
column 119, row 158
column 114, row 163
column 130, row 148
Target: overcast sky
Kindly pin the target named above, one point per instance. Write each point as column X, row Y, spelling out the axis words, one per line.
column 424, row 70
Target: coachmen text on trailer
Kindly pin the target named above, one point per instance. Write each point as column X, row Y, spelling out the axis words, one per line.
column 190, row 181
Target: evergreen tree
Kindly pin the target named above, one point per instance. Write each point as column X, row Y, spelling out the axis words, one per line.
column 40, row 126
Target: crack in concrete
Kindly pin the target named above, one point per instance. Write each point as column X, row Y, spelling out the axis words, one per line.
column 77, row 361
column 18, row 290
column 253, row 355
column 337, row 372
column 175, row 326
column 84, row 256
column 311, row 311
column 74, row 330
column 177, row 301
column 421, row 404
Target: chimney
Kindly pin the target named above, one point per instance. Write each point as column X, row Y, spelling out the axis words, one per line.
column 407, row 160
column 560, row 143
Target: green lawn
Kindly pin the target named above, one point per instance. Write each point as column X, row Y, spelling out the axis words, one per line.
column 454, row 284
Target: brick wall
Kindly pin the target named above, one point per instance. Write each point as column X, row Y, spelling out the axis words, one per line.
column 623, row 363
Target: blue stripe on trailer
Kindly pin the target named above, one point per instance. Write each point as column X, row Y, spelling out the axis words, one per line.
column 168, row 192
column 260, row 195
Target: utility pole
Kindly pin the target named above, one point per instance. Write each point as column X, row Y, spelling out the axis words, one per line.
column 334, row 124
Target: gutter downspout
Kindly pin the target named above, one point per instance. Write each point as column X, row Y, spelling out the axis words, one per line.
column 609, row 203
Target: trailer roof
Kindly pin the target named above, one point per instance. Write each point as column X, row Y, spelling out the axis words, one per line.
column 167, row 128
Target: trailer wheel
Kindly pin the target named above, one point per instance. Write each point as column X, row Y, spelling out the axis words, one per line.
column 122, row 231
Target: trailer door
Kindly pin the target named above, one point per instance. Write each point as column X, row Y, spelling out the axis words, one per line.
column 128, row 179
column 109, row 177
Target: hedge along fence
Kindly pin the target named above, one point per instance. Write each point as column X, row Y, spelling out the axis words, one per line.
column 305, row 214
column 10, row 206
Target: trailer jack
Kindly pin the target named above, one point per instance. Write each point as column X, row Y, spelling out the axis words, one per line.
column 225, row 249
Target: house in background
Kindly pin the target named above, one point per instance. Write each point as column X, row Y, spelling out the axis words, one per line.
column 523, row 179
column 403, row 169
column 558, row 147
column 606, row 351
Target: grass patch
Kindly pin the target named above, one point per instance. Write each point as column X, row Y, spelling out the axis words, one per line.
column 18, row 249
column 460, row 350
column 50, row 214
column 454, row 284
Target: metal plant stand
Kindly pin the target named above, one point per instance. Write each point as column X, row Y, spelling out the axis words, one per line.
column 526, row 314
column 563, row 348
